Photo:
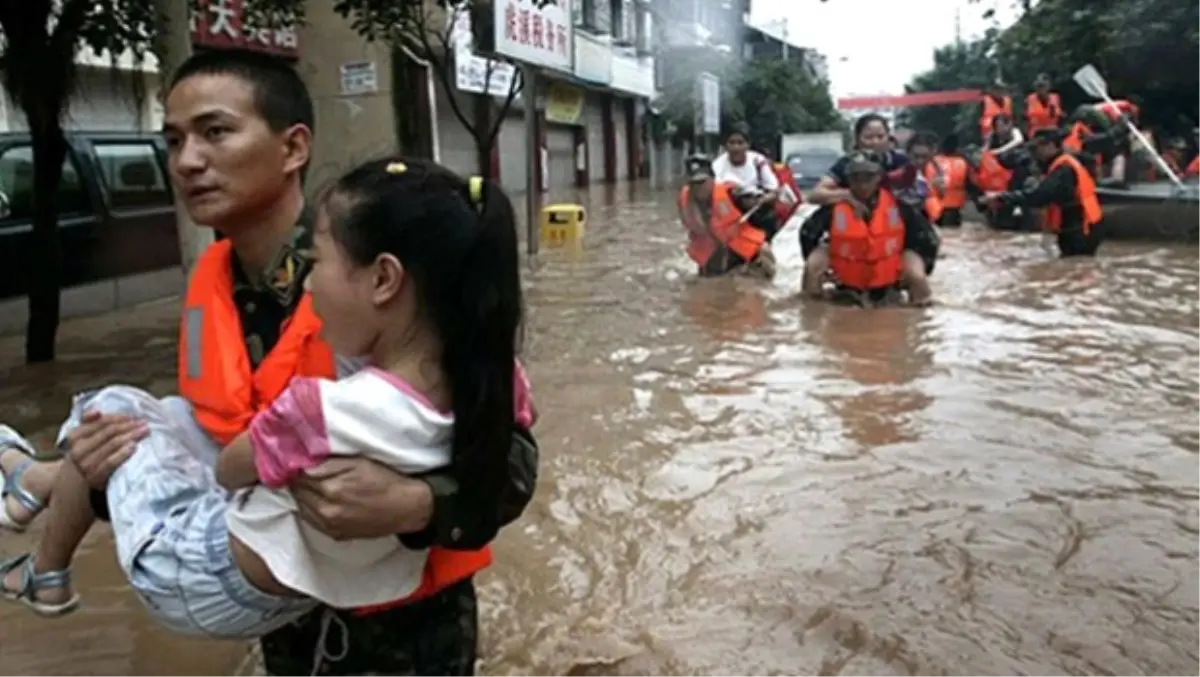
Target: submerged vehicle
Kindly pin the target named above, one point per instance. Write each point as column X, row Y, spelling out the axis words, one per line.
column 1158, row 211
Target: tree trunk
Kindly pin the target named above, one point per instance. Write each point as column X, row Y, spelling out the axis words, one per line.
column 482, row 104
column 49, row 151
column 172, row 46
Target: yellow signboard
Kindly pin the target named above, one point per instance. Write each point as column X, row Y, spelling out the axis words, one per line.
column 564, row 103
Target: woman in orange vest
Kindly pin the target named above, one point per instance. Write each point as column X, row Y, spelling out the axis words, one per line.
column 956, row 185
column 1043, row 108
column 720, row 238
column 1068, row 193
column 996, row 101
column 870, row 244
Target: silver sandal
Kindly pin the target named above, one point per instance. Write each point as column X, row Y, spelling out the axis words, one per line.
column 10, row 483
column 32, row 582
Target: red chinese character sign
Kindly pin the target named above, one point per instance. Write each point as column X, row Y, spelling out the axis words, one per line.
column 221, row 24
column 536, row 32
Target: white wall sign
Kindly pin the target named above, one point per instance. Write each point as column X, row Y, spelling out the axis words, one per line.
column 359, row 77
column 709, row 87
column 542, row 37
column 471, row 72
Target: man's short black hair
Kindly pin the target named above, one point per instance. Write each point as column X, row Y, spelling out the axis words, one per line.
column 280, row 95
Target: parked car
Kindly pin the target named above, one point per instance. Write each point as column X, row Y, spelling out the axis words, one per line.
column 809, row 166
column 116, row 211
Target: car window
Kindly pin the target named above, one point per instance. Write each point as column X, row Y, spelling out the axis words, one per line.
column 811, row 165
column 133, row 177
column 16, row 185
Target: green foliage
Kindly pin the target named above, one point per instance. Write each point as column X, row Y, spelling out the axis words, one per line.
column 959, row 65
column 780, row 97
column 772, row 96
column 1144, row 48
column 1149, row 49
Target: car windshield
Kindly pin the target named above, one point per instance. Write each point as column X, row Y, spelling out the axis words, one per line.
column 811, row 164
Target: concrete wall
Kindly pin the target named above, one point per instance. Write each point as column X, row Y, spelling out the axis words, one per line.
column 350, row 129
column 512, row 152
column 457, row 145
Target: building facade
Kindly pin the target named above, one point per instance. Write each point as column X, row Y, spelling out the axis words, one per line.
column 589, row 105
column 690, row 37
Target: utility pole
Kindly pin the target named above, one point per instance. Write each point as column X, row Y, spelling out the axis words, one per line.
column 533, row 183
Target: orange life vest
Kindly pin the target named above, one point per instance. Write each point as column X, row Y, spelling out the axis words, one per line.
column 1193, row 168
column 867, row 255
column 790, row 197
column 990, row 110
column 214, row 368
column 1075, row 138
column 725, row 227
column 991, row 175
column 1074, row 143
column 216, row 378
column 954, row 178
column 1114, row 110
column 933, row 201
column 1085, row 194
column 1043, row 116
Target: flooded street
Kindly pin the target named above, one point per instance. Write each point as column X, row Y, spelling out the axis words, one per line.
column 737, row 482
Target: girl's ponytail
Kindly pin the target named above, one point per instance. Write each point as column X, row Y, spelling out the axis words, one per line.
column 479, row 337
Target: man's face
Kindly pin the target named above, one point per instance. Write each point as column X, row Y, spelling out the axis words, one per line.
column 702, row 190
column 225, row 160
column 1003, row 126
column 863, row 184
column 1043, row 88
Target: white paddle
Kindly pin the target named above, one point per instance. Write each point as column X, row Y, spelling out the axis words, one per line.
column 1093, row 83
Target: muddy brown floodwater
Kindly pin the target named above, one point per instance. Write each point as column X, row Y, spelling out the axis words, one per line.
column 735, row 482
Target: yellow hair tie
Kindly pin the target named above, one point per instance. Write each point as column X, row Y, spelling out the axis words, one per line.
column 396, row 168
column 475, row 189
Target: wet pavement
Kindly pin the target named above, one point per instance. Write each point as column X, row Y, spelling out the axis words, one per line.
column 738, row 482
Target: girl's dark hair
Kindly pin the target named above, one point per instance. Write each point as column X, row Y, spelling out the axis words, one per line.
column 861, row 124
column 459, row 247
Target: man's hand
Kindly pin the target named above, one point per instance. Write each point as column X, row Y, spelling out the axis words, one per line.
column 101, row 443
column 347, row 498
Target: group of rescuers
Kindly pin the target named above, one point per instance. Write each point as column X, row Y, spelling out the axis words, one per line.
column 873, row 241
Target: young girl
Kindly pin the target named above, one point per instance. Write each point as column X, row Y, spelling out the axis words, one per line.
column 414, row 269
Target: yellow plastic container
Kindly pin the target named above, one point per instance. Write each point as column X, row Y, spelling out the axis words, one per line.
column 563, row 225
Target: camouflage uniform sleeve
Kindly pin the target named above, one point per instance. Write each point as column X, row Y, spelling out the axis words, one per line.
column 454, row 527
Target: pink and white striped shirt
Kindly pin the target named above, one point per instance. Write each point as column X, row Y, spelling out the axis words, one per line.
column 370, row 413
